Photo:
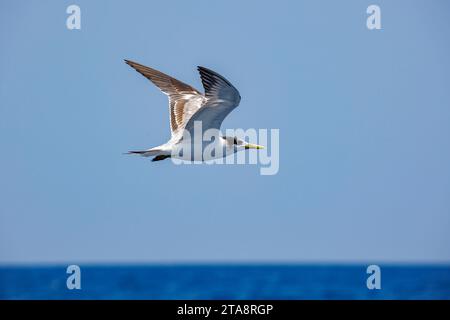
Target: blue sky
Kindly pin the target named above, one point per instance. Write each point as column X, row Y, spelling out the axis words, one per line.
column 364, row 119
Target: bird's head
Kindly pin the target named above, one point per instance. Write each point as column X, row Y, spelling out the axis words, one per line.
column 239, row 144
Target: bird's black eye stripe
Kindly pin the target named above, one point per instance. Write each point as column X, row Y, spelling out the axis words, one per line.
column 235, row 140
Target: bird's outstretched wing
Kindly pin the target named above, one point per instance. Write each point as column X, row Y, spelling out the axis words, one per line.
column 184, row 100
column 221, row 99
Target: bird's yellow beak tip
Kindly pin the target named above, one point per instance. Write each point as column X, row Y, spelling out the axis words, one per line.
column 253, row 146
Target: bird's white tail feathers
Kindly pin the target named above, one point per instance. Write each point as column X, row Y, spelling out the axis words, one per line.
column 159, row 153
column 146, row 153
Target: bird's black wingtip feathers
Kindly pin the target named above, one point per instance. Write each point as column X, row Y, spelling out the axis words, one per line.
column 213, row 76
column 204, row 70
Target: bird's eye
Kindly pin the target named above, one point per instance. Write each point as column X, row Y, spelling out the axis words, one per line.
column 235, row 140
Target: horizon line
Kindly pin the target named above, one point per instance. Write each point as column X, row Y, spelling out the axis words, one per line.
column 224, row 263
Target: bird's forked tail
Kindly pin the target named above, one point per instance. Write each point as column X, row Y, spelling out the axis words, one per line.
column 159, row 155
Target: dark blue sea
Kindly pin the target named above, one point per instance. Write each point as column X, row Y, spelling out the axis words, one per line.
column 226, row 282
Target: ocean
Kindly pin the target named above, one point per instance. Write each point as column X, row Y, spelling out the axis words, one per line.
column 225, row 282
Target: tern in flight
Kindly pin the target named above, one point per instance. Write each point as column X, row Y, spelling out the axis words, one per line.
column 188, row 106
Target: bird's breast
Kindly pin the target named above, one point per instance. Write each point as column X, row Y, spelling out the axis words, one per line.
column 205, row 150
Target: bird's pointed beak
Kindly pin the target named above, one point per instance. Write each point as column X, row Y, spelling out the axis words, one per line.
column 253, row 146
